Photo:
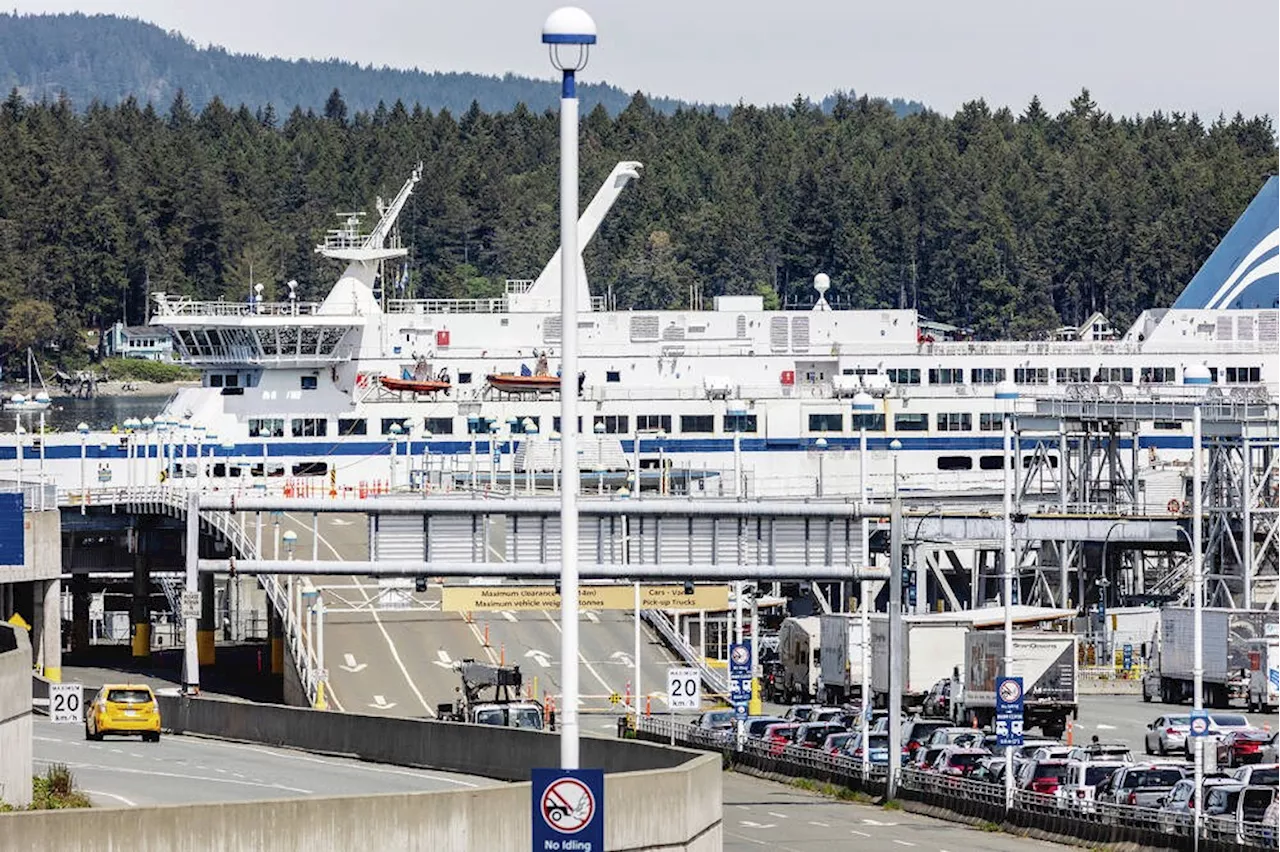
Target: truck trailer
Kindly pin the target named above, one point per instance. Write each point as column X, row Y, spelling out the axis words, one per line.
column 841, row 635
column 1047, row 664
column 930, row 650
column 1227, row 636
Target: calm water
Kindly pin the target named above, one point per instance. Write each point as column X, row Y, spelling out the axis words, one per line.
column 101, row 413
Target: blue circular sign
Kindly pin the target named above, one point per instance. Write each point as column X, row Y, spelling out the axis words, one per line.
column 1199, row 726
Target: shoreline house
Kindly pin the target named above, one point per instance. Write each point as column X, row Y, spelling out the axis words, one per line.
column 146, row 342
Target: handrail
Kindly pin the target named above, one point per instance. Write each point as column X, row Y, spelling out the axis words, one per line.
column 716, row 681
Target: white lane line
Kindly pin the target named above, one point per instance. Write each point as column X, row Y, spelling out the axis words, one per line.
column 590, row 667
column 509, row 616
column 776, row 814
column 395, row 655
column 128, row 802
column 859, row 833
column 903, row 842
column 819, row 824
column 214, row 778
column 303, row 757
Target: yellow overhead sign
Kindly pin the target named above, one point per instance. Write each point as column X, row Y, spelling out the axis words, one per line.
column 477, row 598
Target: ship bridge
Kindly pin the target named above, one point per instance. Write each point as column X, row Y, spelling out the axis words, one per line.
column 256, row 333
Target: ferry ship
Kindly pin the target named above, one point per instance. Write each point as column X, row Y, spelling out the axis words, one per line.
column 364, row 391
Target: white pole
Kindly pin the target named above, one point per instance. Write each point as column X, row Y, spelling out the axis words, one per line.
column 569, row 32
column 865, row 648
column 473, row 461
column 737, row 475
column 84, row 494
column 1007, row 665
column 1197, row 597
column 862, row 469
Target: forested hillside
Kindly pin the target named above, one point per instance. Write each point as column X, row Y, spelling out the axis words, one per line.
column 106, row 58
column 1009, row 223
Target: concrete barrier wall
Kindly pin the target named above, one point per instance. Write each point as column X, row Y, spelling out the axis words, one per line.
column 674, row 810
column 504, row 753
column 15, row 716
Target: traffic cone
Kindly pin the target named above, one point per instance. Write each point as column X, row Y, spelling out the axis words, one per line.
column 1071, row 733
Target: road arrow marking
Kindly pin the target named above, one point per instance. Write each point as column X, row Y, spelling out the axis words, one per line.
column 444, row 662
column 622, row 658
column 591, row 616
column 350, row 664
column 1106, row 727
column 509, row 616
column 878, row 823
column 540, row 657
column 380, row 703
column 749, row 824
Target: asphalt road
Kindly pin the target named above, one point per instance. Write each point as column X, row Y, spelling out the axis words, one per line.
column 762, row 814
column 400, row 661
column 125, row 772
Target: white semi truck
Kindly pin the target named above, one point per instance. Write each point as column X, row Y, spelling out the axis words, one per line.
column 800, row 653
column 1047, row 664
column 1227, row 636
column 930, row 650
column 841, row 656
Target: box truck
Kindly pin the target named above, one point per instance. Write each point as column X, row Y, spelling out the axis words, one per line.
column 1047, row 664
column 841, row 635
column 930, row 650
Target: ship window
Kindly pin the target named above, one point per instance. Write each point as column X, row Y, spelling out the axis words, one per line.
column 870, row 422
column 653, row 423
column 1244, row 374
column 991, row 462
column 310, row 469
column 697, row 423
column 826, row 422
column 990, row 422
column 388, row 422
column 439, row 425
column 310, row 427
column 1169, row 425
column 478, row 425
column 955, row 421
column 1072, row 375
column 464, row 378
column 946, row 376
column 518, row 427
column 266, row 427
column 215, row 380
column 1159, row 375
column 352, row 426
column 740, row 423
column 614, row 424
column 1027, row 460
column 955, row 463
column 555, row 424
column 911, row 422
column 612, row 376
column 986, row 375
column 233, row 380
column 309, row 382
column 1031, row 375
column 903, row 376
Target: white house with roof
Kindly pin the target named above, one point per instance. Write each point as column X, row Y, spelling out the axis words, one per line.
column 147, row 342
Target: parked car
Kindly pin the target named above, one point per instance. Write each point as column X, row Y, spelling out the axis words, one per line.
column 780, row 735
column 1053, row 752
column 813, row 734
column 959, row 760
column 971, row 737
column 1167, row 733
column 1141, row 784
column 1041, row 775
column 989, row 769
column 877, row 749
column 1177, row 810
column 938, row 701
column 836, row 743
column 1220, row 724
column 756, row 725
column 800, row 712
column 1077, row 789
column 1101, row 751
column 925, row 756
column 1237, row 748
column 1258, row 773
column 916, row 732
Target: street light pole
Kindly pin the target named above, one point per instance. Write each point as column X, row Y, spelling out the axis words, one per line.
column 897, row 635
column 1006, row 398
column 821, row 444
column 569, row 33
column 1197, row 596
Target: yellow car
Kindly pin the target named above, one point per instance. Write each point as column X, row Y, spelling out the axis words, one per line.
column 123, row 708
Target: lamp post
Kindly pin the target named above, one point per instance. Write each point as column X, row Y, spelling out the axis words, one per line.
column 896, row 633
column 599, row 429
column 1006, row 401
column 555, row 465
column 569, row 33
column 473, row 426
column 293, row 591
column 495, row 455
column 426, row 460
column 393, row 438
column 1197, row 593
column 864, row 408
column 662, row 462
column 734, row 417
column 1105, row 583
column 513, row 429
column 821, row 444
column 530, row 430
column 83, row 429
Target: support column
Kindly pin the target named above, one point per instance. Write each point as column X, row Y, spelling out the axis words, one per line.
column 205, row 632
column 275, row 634
column 140, row 611
column 80, row 613
column 51, row 630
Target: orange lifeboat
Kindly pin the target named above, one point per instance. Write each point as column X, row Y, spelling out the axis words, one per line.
column 512, row 383
column 414, row 385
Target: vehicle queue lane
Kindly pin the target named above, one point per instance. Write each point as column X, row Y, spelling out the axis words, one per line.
column 125, row 772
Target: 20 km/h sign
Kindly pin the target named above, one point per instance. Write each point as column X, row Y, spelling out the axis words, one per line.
column 684, row 689
column 66, row 703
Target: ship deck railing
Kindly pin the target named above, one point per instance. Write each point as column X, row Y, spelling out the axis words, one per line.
column 190, row 308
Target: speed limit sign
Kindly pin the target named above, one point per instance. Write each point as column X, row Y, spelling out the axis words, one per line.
column 66, row 703
column 684, row 689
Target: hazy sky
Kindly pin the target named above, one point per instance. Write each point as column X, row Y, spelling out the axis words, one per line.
column 1134, row 55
